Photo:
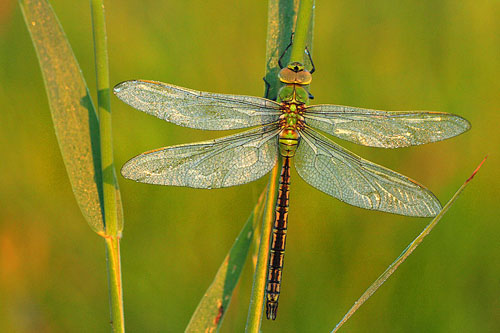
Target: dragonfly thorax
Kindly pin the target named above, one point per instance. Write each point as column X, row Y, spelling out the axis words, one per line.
column 293, row 97
column 293, row 94
column 291, row 121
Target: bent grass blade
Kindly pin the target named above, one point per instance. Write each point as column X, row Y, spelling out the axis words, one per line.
column 405, row 254
column 73, row 113
column 210, row 312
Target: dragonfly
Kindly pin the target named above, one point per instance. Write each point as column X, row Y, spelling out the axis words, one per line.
column 285, row 129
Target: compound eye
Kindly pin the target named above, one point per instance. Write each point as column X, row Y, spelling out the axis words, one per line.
column 287, row 75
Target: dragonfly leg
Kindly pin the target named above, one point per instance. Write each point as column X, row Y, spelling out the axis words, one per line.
column 311, row 96
column 313, row 69
column 284, row 52
column 268, row 86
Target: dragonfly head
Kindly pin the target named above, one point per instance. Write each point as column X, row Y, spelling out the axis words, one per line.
column 295, row 73
column 296, row 66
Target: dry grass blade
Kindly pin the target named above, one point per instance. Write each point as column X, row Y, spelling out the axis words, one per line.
column 73, row 113
column 402, row 257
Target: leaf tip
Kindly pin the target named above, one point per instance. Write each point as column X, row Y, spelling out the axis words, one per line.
column 477, row 170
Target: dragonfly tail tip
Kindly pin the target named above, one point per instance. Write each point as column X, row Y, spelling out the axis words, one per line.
column 271, row 310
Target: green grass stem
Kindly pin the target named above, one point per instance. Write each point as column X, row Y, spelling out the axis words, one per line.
column 112, row 203
column 115, row 283
column 302, row 29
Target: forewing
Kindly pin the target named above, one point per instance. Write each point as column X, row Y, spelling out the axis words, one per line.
column 227, row 161
column 347, row 177
column 386, row 129
column 197, row 109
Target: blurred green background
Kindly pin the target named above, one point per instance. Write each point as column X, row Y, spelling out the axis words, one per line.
column 431, row 55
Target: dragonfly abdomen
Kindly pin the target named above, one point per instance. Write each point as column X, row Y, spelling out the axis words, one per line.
column 278, row 242
column 288, row 141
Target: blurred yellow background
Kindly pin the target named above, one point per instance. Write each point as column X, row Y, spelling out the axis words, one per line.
column 410, row 55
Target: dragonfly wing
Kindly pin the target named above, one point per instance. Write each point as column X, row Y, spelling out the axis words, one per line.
column 386, row 129
column 197, row 109
column 347, row 177
column 227, row 161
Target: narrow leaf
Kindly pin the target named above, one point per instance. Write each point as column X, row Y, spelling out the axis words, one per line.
column 256, row 307
column 73, row 113
column 214, row 304
column 402, row 257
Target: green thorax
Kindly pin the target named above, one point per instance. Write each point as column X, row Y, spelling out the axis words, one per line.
column 293, row 98
column 293, row 93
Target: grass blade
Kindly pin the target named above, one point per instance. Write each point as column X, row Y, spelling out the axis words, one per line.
column 256, row 308
column 210, row 312
column 73, row 113
column 402, row 257
column 77, row 129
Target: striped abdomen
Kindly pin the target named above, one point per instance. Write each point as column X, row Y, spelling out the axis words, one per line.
column 277, row 254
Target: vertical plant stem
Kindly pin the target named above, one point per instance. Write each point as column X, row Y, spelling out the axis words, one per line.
column 104, row 113
column 112, row 216
column 115, row 283
column 255, row 312
column 304, row 16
